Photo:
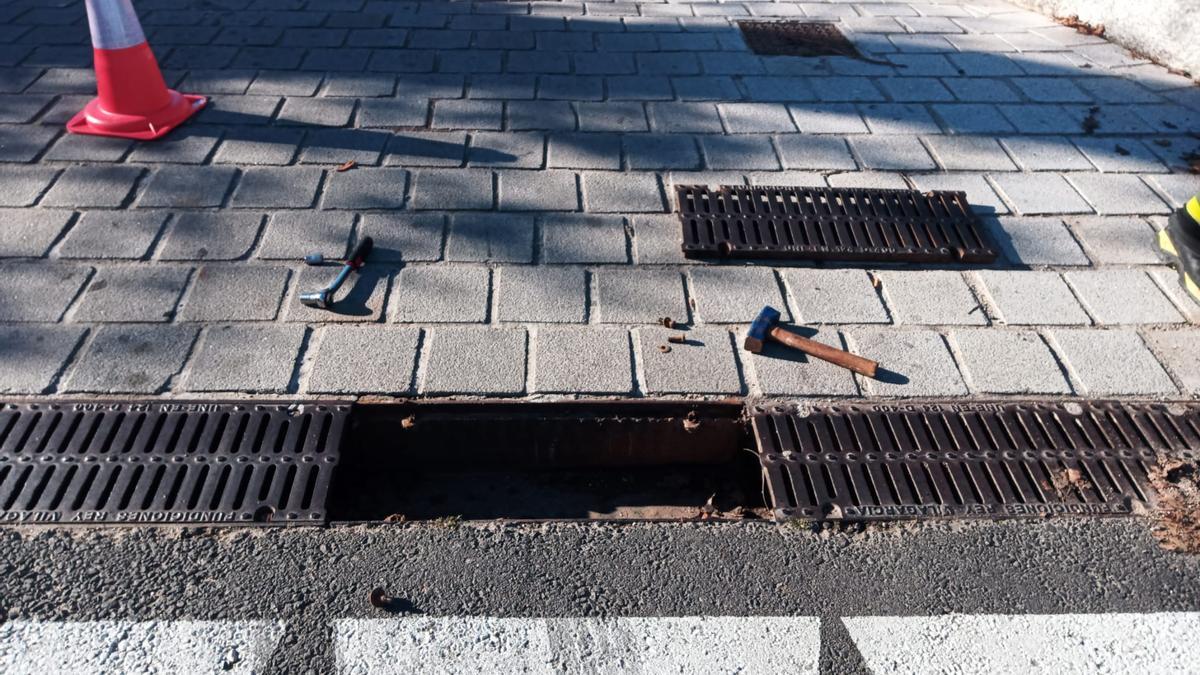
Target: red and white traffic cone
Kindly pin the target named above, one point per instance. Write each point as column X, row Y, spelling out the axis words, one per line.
column 132, row 99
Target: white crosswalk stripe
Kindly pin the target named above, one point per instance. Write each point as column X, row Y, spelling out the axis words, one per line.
column 694, row 645
column 175, row 647
column 1049, row 643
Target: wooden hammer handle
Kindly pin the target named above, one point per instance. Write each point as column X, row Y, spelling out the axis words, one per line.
column 824, row 352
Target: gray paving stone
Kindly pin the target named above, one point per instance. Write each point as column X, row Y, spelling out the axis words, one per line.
column 1118, row 193
column 868, row 179
column 22, row 143
column 285, row 83
column 407, row 237
column 131, row 359
column 834, row 296
column 898, row 118
column 361, row 299
column 361, row 84
column 1168, row 280
column 584, row 239
column 612, row 117
column 321, row 112
column 285, row 188
column 972, row 118
column 1036, row 194
column 33, row 356
column 445, row 189
column 726, row 294
column 656, row 239
column 1036, row 241
column 1177, row 188
column 782, row 371
column 969, row 153
column 476, row 361
column 39, row 291
column 661, row 151
column 81, row 148
column 16, row 109
column 181, row 147
column 754, row 118
column 739, row 152
column 828, row 118
column 584, row 151
column 490, row 237
column 245, row 358
column 24, row 184
column 1122, row 240
column 366, row 188
column 1119, row 155
column 543, row 190
column 1047, row 153
column 1176, row 349
column 845, row 89
column 427, row 149
column 259, row 147
column 612, row 192
column 507, row 149
column 293, row 235
column 468, row 114
column 930, row 298
column 364, row 359
column 210, row 236
column 549, row 115
column 336, row 147
column 814, row 152
column 541, row 294
column 706, row 364
column 1122, row 296
column 911, row 363
column 240, row 110
column 677, row 117
column 393, row 112
column 243, row 292
column 442, row 294
column 926, row 89
column 112, row 234
column 1111, row 363
column 892, row 153
column 638, row 295
column 144, row 292
column 30, row 232
column 93, row 186
column 187, row 186
column 592, row 360
column 1008, row 362
column 1032, row 298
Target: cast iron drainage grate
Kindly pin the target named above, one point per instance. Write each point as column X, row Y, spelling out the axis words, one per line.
column 864, row 462
column 831, row 224
column 796, row 38
column 167, row 462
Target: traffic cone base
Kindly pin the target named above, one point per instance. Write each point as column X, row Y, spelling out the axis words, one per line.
column 132, row 100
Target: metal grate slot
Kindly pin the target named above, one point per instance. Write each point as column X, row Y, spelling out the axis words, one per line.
column 176, row 462
column 831, row 224
column 864, row 462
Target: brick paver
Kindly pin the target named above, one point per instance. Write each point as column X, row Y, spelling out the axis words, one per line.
column 516, row 166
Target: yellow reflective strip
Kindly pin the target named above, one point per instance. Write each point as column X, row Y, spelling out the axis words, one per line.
column 1193, row 208
column 1165, row 243
column 1191, row 287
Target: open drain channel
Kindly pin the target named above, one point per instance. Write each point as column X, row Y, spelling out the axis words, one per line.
column 319, row 462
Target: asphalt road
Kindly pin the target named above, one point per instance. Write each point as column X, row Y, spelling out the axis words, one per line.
column 312, row 579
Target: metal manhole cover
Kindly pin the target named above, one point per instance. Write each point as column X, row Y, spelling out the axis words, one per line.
column 871, row 462
column 167, row 462
column 796, row 38
column 821, row 223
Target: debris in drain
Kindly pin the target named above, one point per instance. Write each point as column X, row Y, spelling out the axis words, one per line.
column 708, row 509
column 766, row 328
column 691, row 422
column 1090, row 124
column 1066, row 480
column 396, row 518
column 379, row 598
column 408, row 422
column 1084, row 27
column 346, row 166
column 1177, row 482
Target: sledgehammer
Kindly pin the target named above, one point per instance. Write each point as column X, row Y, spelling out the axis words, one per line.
column 766, row 327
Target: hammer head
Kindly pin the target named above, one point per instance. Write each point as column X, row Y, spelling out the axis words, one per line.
column 318, row 299
column 756, row 337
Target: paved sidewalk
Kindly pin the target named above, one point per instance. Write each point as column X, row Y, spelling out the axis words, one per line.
column 515, row 164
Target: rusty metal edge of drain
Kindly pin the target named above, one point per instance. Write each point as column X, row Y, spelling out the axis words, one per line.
column 1184, row 441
